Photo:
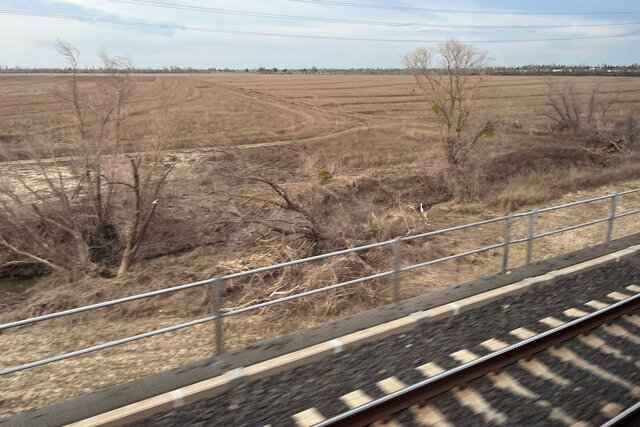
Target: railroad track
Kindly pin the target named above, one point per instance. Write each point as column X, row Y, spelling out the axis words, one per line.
column 415, row 404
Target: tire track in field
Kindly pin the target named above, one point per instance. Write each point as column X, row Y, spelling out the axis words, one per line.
column 285, row 103
column 361, row 127
column 278, row 102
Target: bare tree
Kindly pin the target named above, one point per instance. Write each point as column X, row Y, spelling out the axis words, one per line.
column 449, row 78
column 120, row 80
column 62, row 213
column 274, row 195
column 586, row 113
column 570, row 109
column 72, row 56
column 145, row 186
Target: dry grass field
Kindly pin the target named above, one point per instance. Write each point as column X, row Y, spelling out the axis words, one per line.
column 377, row 138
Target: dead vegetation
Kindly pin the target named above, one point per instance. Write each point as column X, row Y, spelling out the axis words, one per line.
column 373, row 156
column 67, row 222
column 588, row 114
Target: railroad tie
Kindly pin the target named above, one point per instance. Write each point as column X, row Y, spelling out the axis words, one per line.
column 470, row 398
column 559, row 415
column 633, row 319
column 599, row 344
column 464, row 356
column 359, row 398
column 473, row 400
column 427, row 415
column 541, row 370
column 430, row 369
column 308, row 418
column 430, row 416
column 494, row 344
column 391, row 385
column 618, row 296
column 355, row 399
column 569, row 356
column 619, row 331
column 552, row 322
column 508, row 383
column 574, row 312
column 596, row 304
column 523, row 333
column 633, row 288
column 611, row 409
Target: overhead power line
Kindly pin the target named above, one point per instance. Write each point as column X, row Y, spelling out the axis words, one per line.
column 424, row 9
column 283, row 35
column 346, row 21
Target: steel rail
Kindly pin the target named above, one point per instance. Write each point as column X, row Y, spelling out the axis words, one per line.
column 579, row 202
column 328, row 255
column 633, row 212
column 628, row 418
column 186, row 324
column 418, row 393
column 573, row 227
column 450, row 257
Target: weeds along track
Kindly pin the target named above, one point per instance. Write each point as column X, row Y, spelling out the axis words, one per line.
column 563, row 354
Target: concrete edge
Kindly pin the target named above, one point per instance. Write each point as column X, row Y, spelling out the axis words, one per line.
column 215, row 386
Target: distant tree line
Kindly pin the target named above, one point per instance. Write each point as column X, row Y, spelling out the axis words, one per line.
column 531, row 69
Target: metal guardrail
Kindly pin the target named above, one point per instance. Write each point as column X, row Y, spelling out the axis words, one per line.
column 219, row 282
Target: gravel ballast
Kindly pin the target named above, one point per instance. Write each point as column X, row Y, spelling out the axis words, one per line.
column 273, row 400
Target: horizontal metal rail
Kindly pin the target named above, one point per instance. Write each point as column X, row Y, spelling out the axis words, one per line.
column 307, row 293
column 450, row 257
column 237, row 311
column 580, row 202
column 628, row 418
column 309, row 259
column 396, row 270
column 573, row 227
column 187, row 324
column 236, row 275
column 418, row 393
column 105, row 345
column 633, row 212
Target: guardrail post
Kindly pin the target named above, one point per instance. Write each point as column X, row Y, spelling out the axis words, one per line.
column 397, row 264
column 507, row 241
column 532, row 233
column 614, row 203
column 218, row 294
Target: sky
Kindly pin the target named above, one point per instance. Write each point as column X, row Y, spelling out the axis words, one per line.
column 227, row 34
